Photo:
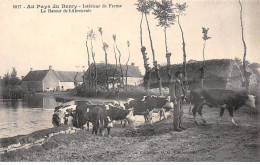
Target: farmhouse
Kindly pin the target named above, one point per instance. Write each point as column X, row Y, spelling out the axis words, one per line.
column 51, row 80
column 134, row 76
column 219, row 73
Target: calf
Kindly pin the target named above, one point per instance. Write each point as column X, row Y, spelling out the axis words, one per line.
column 222, row 98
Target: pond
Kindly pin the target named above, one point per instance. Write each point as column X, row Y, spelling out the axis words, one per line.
column 19, row 117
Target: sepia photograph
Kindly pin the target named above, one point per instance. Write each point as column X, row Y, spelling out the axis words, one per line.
column 129, row 81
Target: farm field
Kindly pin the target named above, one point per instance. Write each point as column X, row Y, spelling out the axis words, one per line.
column 157, row 142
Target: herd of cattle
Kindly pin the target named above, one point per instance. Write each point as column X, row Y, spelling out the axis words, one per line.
column 102, row 115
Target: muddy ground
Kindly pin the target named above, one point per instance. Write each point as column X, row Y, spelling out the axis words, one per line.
column 157, row 142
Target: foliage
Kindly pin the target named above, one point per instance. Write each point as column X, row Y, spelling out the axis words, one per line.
column 205, row 33
column 11, row 86
column 181, row 8
column 144, row 6
column 164, row 13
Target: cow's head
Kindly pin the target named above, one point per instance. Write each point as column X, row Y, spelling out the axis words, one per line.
column 129, row 103
column 250, row 101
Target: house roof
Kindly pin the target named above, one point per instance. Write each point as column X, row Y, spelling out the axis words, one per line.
column 68, row 76
column 37, row 75
column 133, row 71
column 63, row 76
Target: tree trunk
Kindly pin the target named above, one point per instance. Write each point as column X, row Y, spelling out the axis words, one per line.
column 119, row 60
column 146, row 65
column 247, row 75
column 95, row 68
column 168, row 56
column 202, row 69
column 115, row 69
column 126, row 72
column 88, row 65
column 106, row 74
column 154, row 61
column 184, row 55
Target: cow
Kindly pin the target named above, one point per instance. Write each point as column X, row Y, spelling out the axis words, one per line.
column 63, row 114
column 118, row 113
column 100, row 121
column 221, row 98
column 144, row 106
column 96, row 114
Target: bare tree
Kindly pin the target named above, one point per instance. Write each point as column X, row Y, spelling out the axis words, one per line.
column 164, row 13
column 126, row 72
column 205, row 37
column 105, row 47
column 92, row 37
column 180, row 11
column 246, row 74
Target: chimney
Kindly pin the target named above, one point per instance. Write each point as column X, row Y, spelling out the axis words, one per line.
column 22, row 77
column 31, row 69
column 133, row 64
column 50, row 68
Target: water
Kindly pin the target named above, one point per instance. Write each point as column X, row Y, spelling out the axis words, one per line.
column 19, row 117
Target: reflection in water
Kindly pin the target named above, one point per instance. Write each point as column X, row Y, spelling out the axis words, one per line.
column 40, row 101
column 25, row 116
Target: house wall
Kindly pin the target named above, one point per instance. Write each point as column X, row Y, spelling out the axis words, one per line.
column 50, row 82
column 134, row 80
column 63, row 86
column 35, row 86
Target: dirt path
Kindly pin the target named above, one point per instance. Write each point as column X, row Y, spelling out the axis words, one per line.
column 211, row 142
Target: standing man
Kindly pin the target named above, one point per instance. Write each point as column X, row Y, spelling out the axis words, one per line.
column 178, row 96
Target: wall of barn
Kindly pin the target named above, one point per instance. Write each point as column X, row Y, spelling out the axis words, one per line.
column 50, row 82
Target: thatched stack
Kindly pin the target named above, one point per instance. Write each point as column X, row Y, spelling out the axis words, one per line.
column 219, row 73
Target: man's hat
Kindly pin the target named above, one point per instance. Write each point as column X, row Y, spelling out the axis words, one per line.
column 177, row 73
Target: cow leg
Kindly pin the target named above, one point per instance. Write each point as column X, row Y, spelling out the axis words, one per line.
column 87, row 125
column 108, row 131
column 231, row 110
column 221, row 114
column 194, row 112
column 200, row 113
column 125, row 123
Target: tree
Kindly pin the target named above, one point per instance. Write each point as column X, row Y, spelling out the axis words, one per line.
column 164, row 13
column 144, row 7
column 180, row 11
column 105, row 47
column 119, row 60
column 92, row 37
column 246, row 74
column 126, row 72
column 114, row 38
column 205, row 37
column 14, row 80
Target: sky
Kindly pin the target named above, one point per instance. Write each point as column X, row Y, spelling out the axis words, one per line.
column 31, row 39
